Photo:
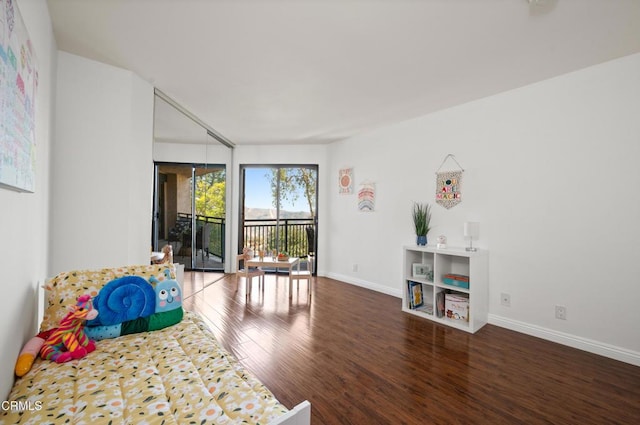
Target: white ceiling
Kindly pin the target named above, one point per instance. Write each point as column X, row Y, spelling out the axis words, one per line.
column 305, row 71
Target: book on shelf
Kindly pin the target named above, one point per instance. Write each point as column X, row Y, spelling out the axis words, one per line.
column 460, row 277
column 459, row 280
column 457, row 306
column 416, row 298
column 426, row 308
column 440, row 304
column 409, row 295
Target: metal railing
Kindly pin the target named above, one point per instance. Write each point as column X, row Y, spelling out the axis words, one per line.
column 293, row 236
column 216, row 226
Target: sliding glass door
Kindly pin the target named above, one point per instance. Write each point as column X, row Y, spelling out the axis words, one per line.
column 279, row 208
column 190, row 205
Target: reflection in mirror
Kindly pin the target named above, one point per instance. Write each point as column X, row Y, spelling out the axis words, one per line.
column 190, row 193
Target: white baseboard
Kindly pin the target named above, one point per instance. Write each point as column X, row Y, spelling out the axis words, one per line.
column 596, row 347
column 365, row 284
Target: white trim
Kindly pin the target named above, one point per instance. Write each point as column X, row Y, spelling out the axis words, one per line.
column 600, row 348
column 365, row 284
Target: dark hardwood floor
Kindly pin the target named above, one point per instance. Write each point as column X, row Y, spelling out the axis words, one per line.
column 360, row 360
column 195, row 281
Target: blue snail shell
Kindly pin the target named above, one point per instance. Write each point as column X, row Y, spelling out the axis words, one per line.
column 122, row 299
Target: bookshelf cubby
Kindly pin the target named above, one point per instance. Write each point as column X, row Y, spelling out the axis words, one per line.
column 449, row 261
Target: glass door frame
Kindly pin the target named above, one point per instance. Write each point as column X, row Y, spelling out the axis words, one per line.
column 241, row 200
column 193, row 216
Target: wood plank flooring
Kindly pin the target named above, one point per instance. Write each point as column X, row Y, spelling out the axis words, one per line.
column 360, row 360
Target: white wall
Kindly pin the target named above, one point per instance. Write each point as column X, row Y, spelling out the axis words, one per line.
column 24, row 216
column 102, row 168
column 551, row 174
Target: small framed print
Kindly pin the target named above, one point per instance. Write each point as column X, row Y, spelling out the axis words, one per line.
column 420, row 270
column 345, row 181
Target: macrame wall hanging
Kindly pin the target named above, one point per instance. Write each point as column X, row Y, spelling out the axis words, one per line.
column 448, row 189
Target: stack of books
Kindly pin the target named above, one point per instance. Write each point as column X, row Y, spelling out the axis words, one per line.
column 459, row 280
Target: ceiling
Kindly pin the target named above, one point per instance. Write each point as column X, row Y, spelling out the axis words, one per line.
column 305, row 71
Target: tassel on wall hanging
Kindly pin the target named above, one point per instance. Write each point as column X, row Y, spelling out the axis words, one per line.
column 448, row 185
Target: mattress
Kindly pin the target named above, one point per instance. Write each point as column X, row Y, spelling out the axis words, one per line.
column 177, row 375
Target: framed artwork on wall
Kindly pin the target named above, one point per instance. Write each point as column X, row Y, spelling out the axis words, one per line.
column 345, row 181
column 18, row 86
column 366, row 197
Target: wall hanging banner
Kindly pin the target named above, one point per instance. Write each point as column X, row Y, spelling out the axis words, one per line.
column 366, row 197
column 448, row 192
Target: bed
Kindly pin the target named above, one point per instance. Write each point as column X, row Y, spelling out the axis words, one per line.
column 178, row 374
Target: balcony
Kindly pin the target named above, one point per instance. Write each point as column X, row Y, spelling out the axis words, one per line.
column 294, row 236
column 209, row 241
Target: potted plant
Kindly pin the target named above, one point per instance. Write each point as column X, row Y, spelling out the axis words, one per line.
column 421, row 221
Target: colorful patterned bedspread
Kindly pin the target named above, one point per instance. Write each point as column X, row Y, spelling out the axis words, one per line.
column 177, row 375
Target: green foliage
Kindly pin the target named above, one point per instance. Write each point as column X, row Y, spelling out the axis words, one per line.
column 421, row 218
column 211, row 194
column 293, row 183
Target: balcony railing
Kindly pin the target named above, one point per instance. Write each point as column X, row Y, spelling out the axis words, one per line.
column 294, row 236
column 216, row 233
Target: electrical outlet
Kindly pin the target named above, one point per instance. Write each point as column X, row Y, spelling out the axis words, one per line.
column 355, row 267
column 505, row 299
column 561, row 312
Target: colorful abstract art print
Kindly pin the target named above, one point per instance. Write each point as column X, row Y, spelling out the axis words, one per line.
column 448, row 191
column 366, row 197
column 18, row 86
column 345, row 181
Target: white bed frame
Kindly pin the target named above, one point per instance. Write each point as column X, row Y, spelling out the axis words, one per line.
column 298, row 415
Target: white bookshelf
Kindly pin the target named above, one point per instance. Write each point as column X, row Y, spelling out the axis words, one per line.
column 475, row 265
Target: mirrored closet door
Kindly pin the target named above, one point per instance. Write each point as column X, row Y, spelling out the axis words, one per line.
column 190, row 193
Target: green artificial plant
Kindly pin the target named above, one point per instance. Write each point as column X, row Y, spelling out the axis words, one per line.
column 422, row 218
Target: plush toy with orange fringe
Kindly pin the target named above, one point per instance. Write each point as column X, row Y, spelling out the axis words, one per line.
column 29, row 353
column 63, row 343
